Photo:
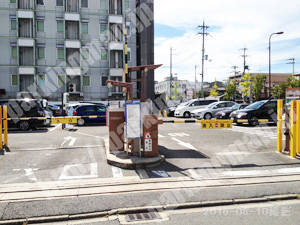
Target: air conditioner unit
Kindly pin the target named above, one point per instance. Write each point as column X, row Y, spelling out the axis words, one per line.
column 72, row 88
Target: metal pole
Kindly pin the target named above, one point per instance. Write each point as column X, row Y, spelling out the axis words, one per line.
column 203, row 33
column 279, row 125
column 270, row 65
column 196, row 82
column 1, row 121
column 171, row 78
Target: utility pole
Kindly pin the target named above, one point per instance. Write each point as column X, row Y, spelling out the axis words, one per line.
column 244, row 56
column 235, row 67
column 203, row 33
column 171, row 75
column 292, row 62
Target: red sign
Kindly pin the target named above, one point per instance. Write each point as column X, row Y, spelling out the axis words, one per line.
column 295, row 112
column 216, row 125
column 148, row 135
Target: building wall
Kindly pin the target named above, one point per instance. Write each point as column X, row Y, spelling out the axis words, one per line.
column 95, row 68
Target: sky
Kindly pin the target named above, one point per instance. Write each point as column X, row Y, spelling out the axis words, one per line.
column 233, row 25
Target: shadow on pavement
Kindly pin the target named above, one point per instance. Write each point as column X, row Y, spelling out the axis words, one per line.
column 181, row 154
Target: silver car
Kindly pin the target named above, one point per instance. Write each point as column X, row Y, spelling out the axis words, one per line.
column 211, row 110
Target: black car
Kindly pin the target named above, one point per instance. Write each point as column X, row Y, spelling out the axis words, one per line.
column 24, row 108
column 225, row 113
column 266, row 109
column 56, row 110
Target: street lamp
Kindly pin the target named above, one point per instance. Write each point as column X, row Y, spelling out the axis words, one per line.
column 270, row 62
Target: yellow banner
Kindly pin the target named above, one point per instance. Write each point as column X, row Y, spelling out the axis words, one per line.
column 63, row 120
column 211, row 124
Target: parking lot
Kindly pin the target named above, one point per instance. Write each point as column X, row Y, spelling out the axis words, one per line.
column 52, row 154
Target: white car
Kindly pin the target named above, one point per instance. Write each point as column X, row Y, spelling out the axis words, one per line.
column 185, row 110
column 211, row 110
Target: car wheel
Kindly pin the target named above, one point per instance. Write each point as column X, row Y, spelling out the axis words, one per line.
column 24, row 125
column 207, row 116
column 80, row 122
column 253, row 121
column 186, row 115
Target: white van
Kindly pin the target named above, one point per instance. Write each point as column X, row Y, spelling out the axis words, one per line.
column 186, row 109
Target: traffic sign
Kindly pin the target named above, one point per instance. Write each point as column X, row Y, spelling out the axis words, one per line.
column 295, row 112
column 63, row 120
column 216, row 124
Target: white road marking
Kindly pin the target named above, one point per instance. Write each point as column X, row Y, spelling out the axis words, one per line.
column 15, row 170
column 234, row 153
column 142, row 173
column 72, row 142
column 79, row 171
column 52, row 129
column 178, row 135
column 117, row 172
column 187, row 145
column 261, row 172
column 161, row 173
column 193, row 174
column 87, row 134
column 30, row 175
column 161, row 136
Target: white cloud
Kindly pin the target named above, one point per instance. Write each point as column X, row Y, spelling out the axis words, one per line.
column 234, row 24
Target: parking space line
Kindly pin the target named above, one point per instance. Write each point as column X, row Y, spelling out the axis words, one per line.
column 52, row 129
column 142, row 173
column 193, row 174
column 117, row 172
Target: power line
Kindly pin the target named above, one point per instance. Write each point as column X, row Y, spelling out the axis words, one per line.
column 244, row 56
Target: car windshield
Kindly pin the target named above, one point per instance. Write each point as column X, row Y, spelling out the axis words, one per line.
column 183, row 104
column 235, row 107
column 211, row 105
column 255, row 105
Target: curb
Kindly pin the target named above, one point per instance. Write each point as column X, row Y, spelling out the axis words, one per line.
column 132, row 162
column 150, row 209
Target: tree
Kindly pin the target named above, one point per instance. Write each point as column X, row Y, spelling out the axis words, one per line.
column 246, row 84
column 214, row 92
column 293, row 82
column 230, row 89
column 175, row 91
column 199, row 94
column 278, row 91
column 258, row 84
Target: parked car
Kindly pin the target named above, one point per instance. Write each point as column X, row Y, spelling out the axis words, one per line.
column 171, row 110
column 91, row 110
column 225, row 113
column 56, row 110
column 211, row 110
column 186, row 109
column 24, row 108
column 265, row 109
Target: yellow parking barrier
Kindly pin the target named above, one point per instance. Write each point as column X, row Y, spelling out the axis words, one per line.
column 298, row 128
column 242, row 121
column 293, row 135
column 159, row 113
column 279, row 125
column 5, row 126
column 1, row 143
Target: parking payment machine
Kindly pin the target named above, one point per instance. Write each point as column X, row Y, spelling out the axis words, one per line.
column 150, row 132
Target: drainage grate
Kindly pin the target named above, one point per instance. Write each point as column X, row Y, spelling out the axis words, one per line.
column 142, row 216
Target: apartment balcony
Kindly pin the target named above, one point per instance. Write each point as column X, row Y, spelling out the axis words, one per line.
column 116, row 72
column 72, row 44
column 26, row 42
column 115, row 19
column 72, row 16
column 25, row 4
column 116, row 46
column 26, row 70
column 25, row 14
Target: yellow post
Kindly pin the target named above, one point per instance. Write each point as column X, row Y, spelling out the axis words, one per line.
column 5, row 126
column 298, row 128
column 279, row 125
column 165, row 113
column 159, row 113
column 293, row 129
column 1, row 121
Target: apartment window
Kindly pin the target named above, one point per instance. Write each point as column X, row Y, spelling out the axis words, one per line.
column 59, row 2
column 41, row 53
column 103, row 55
column 60, row 26
column 60, row 53
column 84, row 3
column 41, row 80
column 14, row 52
column 86, row 81
column 61, row 81
column 103, row 28
column 127, row 4
column 128, row 28
column 12, row 1
column 14, row 80
column 40, row 2
column 103, row 81
column 128, row 56
column 85, row 54
column 85, row 28
column 102, row 4
column 40, row 25
column 13, row 25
